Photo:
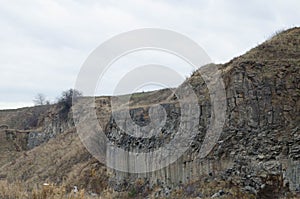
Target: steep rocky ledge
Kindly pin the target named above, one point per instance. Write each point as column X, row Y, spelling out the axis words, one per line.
column 260, row 141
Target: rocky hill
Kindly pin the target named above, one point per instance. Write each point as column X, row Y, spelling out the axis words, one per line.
column 257, row 154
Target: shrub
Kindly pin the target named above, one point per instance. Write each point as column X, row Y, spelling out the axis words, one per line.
column 65, row 102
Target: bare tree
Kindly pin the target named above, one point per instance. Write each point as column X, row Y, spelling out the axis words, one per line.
column 39, row 99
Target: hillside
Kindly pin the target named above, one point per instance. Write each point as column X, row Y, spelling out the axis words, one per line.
column 256, row 156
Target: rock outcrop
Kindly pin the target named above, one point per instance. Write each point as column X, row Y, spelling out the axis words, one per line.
column 259, row 143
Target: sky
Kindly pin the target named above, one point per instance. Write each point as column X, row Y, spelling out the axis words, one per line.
column 43, row 44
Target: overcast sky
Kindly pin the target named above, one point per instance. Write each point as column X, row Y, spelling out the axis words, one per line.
column 44, row 43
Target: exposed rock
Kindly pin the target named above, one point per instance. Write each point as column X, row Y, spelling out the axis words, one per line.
column 218, row 194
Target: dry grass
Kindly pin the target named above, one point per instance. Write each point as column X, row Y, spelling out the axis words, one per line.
column 49, row 191
column 17, row 190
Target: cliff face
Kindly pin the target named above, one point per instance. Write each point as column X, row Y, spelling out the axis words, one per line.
column 261, row 134
column 32, row 126
column 258, row 150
